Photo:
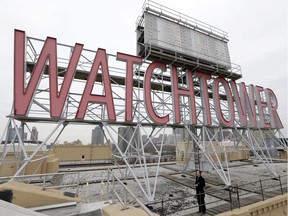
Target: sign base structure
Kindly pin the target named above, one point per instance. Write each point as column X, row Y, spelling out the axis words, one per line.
column 180, row 90
column 211, row 149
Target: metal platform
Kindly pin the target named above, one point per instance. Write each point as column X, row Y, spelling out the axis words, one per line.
column 169, row 36
column 154, row 53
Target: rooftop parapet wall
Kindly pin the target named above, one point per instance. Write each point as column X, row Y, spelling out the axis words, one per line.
column 81, row 153
column 274, row 206
column 48, row 165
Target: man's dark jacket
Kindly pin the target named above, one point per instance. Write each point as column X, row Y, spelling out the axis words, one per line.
column 201, row 184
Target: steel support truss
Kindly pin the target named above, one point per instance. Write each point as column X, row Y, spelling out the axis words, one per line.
column 207, row 146
column 23, row 153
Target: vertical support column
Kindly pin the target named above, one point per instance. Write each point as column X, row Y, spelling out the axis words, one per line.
column 280, row 184
column 107, row 184
column 257, row 148
column 238, row 199
column 78, row 183
column 113, row 188
column 196, row 153
column 220, row 171
column 262, row 193
column 230, row 198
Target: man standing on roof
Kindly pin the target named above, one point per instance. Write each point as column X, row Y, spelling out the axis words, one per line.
column 200, row 193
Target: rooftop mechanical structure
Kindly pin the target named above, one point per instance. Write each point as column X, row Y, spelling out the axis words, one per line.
column 166, row 35
column 163, row 35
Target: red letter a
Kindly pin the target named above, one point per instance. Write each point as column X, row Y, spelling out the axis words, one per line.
column 88, row 97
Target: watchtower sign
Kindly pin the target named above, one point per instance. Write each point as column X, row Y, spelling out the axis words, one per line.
column 209, row 99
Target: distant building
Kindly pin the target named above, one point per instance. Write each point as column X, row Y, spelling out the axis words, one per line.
column 161, row 137
column 165, row 138
column 97, row 137
column 180, row 134
column 170, row 139
column 144, row 138
column 126, row 133
column 77, row 142
column 209, row 133
column 12, row 135
column 34, row 135
column 226, row 134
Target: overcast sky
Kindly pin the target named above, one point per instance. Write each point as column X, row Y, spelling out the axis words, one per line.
column 257, row 31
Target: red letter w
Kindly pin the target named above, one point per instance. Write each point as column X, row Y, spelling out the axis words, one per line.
column 22, row 95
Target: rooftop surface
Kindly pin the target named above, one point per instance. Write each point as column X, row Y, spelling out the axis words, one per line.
column 177, row 190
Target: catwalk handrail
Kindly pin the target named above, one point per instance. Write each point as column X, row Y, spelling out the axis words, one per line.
column 263, row 180
column 260, row 190
column 227, row 199
column 170, row 13
column 234, row 68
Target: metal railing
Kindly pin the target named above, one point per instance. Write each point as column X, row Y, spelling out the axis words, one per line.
column 163, row 212
column 178, row 50
column 261, row 188
column 232, row 196
column 161, row 10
